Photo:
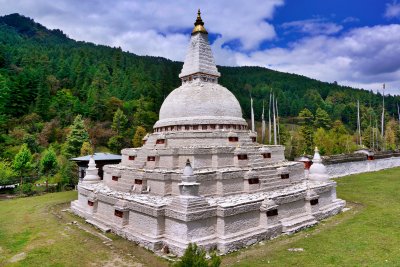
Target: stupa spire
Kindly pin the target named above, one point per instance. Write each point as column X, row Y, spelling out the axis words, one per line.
column 199, row 61
column 199, row 24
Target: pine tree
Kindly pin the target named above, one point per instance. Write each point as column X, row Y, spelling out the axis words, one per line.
column 322, row 119
column 120, row 122
column 23, row 162
column 307, row 130
column 77, row 136
column 116, row 143
column 43, row 100
column 4, row 94
column 48, row 164
column 98, row 92
column 137, row 138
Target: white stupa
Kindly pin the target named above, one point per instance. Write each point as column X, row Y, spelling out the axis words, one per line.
column 318, row 170
column 92, row 173
column 201, row 177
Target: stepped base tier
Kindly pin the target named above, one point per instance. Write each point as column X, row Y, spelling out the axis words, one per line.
column 239, row 202
column 201, row 176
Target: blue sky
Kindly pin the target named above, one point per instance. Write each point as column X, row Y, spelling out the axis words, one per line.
column 353, row 42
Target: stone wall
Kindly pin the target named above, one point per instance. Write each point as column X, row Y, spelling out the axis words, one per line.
column 348, row 168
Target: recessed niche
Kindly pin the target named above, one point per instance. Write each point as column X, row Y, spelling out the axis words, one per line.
column 273, row 212
column 242, row 157
column 285, row 176
column 266, row 155
column 254, row 181
column 119, row 213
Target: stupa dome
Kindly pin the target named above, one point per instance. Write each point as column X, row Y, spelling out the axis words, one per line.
column 200, row 103
column 200, row 100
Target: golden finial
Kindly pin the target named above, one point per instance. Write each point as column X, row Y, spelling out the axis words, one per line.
column 199, row 24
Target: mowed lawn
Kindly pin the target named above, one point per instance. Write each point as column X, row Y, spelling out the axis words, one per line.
column 366, row 235
column 36, row 232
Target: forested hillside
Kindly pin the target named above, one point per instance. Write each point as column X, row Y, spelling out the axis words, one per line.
column 47, row 79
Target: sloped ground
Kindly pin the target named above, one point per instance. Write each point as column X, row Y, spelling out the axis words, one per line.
column 36, row 231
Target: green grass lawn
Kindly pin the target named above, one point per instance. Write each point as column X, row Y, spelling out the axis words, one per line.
column 366, row 235
column 36, row 232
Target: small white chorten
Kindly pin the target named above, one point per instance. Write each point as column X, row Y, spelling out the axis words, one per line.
column 189, row 187
column 92, row 173
column 318, row 170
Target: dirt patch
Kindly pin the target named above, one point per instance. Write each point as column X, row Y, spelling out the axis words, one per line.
column 117, row 261
column 18, row 257
column 5, row 196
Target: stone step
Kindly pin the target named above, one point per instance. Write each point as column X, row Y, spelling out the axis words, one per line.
column 272, row 188
column 102, row 227
column 295, row 223
column 267, row 172
column 269, row 177
column 275, row 183
column 271, row 182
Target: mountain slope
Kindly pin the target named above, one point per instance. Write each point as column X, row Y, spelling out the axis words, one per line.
column 42, row 69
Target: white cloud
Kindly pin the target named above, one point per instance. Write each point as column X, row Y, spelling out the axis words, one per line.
column 149, row 27
column 312, row 26
column 362, row 57
column 392, row 10
column 365, row 56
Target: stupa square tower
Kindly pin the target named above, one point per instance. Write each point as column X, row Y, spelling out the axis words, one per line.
column 201, row 176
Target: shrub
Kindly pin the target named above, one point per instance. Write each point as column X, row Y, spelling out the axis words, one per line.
column 196, row 257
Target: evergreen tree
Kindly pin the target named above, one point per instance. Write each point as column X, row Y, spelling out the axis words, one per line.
column 120, row 122
column 306, row 130
column 48, row 164
column 139, row 135
column 77, row 136
column 322, row 119
column 116, row 143
column 7, row 173
column 43, row 101
column 4, row 94
column 22, row 163
column 98, row 93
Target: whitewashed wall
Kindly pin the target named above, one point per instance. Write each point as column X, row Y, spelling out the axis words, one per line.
column 348, row 168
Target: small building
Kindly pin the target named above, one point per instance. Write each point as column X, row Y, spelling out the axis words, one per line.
column 101, row 160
